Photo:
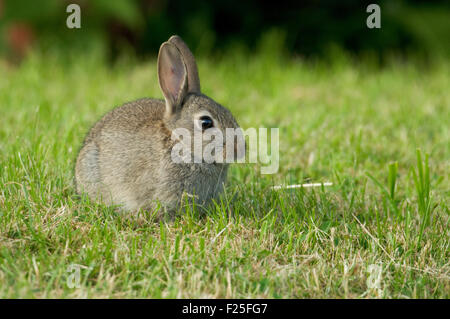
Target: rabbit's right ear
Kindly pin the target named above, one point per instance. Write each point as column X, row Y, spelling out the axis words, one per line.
column 191, row 65
column 172, row 75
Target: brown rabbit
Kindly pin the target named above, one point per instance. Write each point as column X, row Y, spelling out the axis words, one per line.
column 126, row 157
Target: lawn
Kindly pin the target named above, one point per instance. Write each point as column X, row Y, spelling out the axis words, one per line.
column 380, row 134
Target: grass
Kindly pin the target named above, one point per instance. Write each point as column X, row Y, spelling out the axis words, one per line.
column 354, row 124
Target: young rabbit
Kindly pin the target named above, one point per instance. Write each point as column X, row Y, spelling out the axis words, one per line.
column 126, row 157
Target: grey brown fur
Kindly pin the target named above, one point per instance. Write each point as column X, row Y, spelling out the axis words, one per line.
column 126, row 156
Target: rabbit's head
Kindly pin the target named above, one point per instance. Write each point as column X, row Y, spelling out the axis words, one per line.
column 186, row 107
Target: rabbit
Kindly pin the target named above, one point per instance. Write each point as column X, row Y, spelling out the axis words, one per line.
column 126, row 158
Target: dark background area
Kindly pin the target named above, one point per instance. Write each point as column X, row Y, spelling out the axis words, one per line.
column 307, row 28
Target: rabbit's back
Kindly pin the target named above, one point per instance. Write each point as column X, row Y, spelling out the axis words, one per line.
column 128, row 117
column 121, row 150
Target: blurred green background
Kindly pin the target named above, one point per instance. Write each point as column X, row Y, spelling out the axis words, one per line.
column 311, row 28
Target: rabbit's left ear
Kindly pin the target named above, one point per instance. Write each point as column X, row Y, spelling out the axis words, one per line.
column 172, row 76
column 191, row 65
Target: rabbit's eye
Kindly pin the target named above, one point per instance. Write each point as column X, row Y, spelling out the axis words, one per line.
column 206, row 122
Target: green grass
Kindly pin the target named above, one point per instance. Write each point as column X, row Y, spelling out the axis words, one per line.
column 354, row 124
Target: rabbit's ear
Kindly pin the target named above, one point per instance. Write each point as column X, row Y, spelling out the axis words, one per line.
column 172, row 76
column 191, row 65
